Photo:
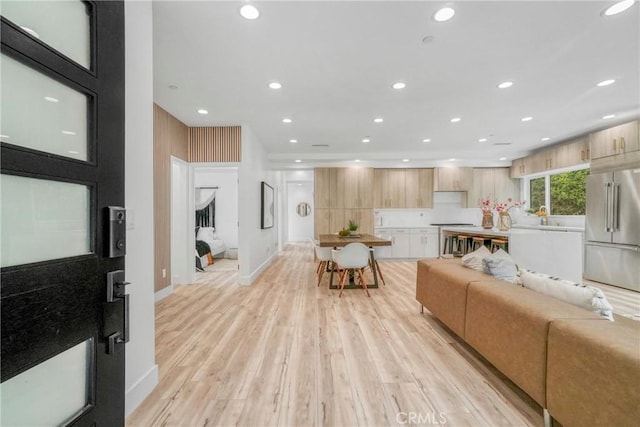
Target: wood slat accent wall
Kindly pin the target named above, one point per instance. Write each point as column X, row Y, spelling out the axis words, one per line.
column 214, row 144
column 170, row 137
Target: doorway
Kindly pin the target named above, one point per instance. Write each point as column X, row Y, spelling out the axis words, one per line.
column 299, row 211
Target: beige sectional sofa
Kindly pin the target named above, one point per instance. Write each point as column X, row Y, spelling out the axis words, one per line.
column 559, row 354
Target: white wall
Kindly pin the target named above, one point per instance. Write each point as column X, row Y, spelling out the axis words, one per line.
column 182, row 260
column 299, row 228
column 255, row 246
column 226, row 179
column 141, row 370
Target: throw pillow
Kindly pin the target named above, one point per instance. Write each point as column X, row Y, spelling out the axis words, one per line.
column 577, row 294
column 206, row 233
column 500, row 265
column 474, row 259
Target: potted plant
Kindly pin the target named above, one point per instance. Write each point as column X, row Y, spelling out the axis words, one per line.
column 352, row 226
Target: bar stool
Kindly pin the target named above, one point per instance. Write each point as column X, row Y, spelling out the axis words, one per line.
column 450, row 242
column 499, row 244
column 463, row 240
column 477, row 242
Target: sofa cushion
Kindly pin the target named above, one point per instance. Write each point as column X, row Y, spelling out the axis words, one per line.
column 500, row 264
column 441, row 286
column 588, row 297
column 508, row 325
column 473, row 260
column 593, row 372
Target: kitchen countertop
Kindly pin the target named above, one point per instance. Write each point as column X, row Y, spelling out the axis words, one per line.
column 496, row 232
column 549, row 227
column 413, row 227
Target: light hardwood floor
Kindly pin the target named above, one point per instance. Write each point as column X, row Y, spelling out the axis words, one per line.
column 285, row 352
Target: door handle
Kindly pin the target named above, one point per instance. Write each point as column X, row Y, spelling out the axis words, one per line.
column 606, row 207
column 614, row 209
column 622, row 144
column 115, row 292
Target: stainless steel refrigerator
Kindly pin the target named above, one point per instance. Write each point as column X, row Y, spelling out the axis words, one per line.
column 612, row 239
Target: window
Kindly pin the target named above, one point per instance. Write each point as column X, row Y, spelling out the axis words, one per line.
column 563, row 193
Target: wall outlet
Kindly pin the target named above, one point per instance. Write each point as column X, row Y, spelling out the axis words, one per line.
column 164, row 273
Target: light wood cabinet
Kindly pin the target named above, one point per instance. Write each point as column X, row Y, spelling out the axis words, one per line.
column 418, row 189
column 358, row 189
column 321, row 188
column 327, row 221
column 389, row 188
column 362, row 217
column 329, row 188
column 615, row 141
column 517, row 169
column 452, row 179
column 494, row 184
column 572, row 153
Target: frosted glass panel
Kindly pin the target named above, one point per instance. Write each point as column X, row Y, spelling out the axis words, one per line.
column 63, row 25
column 51, row 393
column 41, row 113
column 43, row 220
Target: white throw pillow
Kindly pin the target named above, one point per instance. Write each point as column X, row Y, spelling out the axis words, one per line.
column 577, row 294
column 474, row 259
column 206, row 234
column 500, row 265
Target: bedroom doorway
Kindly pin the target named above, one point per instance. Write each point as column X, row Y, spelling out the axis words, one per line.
column 215, row 212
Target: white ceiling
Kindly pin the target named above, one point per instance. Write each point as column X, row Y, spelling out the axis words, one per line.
column 337, row 61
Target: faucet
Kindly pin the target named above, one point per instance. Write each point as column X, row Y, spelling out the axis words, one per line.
column 544, row 219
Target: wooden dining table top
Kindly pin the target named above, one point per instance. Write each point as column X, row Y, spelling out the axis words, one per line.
column 334, row 241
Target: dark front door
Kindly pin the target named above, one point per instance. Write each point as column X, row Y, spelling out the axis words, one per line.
column 62, row 166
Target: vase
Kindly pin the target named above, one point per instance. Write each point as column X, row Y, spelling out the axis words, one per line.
column 504, row 221
column 487, row 220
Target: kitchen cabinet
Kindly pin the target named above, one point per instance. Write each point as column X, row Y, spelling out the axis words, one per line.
column 615, row 141
column 362, row 217
column 418, row 189
column 452, row 179
column 358, row 190
column 517, row 169
column 329, row 187
column 494, row 184
column 327, row 221
column 409, row 243
column 573, row 153
column 390, row 188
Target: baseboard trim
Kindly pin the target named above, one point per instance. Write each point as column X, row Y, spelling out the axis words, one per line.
column 140, row 390
column 163, row 293
column 248, row 280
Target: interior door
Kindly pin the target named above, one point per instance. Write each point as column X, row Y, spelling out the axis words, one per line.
column 62, row 165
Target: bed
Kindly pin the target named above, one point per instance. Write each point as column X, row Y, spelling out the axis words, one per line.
column 207, row 247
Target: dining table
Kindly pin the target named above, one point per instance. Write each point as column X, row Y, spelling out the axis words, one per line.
column 337, row 241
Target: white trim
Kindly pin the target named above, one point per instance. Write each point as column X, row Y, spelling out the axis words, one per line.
column 248, row 280
column 163, row 293
column 140, row 390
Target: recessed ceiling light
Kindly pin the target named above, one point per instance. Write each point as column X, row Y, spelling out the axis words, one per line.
column 452, row 160
column 405, row 160
column 286, row 120
column 526, row 119
column 275, row 85
column 546, row 138
column 455, row 120
column 426, row 140
column 173, row 87
column 502, row 158
column 399, row 85
column 68, row 132
column 293, row 141
column 606, row 82
column 444, row 14
column 378, row 120
column 72, row 152
column 357, row 160
column 249, row 11
column 482, row 140
column 505, row 85
column 202, row 111
column 51, row 99
column 619, row 7
column 365, row 140
column 298, row 160
column 608, row 116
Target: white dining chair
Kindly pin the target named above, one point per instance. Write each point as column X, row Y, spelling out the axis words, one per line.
column 355, row 257
column 325, row 260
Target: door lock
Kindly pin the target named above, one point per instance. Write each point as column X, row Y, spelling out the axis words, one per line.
column 115, row 292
